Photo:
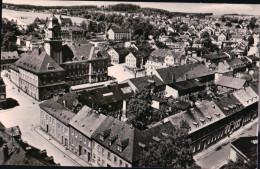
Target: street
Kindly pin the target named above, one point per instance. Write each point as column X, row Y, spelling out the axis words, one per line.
column 217, row 158
column 27, row 117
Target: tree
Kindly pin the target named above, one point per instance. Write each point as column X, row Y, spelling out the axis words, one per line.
column 172, row 151
column 229, row 24
column 139, row 109
column 217, row 24
column 184, row 27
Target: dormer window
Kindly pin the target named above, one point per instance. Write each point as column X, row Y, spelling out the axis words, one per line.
column 119, row 148
column 209, row 117
column 202, row 121
column 101, row 137
column 217, row 114
column 195, row 124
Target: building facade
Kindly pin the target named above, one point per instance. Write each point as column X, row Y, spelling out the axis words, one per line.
column 118, row 34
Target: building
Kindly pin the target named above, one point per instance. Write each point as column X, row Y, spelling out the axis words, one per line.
column 133, row 60
column 118, row 34
column 118, row 54
column 64, row 22
column 82, row 127
column 85, row 63
column 2, row 93
column 185, row 72
column 54, row 120
column 241, row 148
column 8, row 58
column 73, row 33
column 184, row 90
column 32, row 43
column 228, row 83
column 39, row 75
column 116, row 144
column 162, row 58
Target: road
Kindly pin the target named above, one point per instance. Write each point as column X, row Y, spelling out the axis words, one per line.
column 216, row 158
column 27, row 117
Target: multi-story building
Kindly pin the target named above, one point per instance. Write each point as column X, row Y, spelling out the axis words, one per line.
column 73, row 33
column 85, row 64
column 118, row 54
column 116, row 144
column 82, row 127
column 134, row 60
column 8, row 58
column 54, row 120
column 39, row 75
column 118, row 34
column 163, row 58
column 2, row 93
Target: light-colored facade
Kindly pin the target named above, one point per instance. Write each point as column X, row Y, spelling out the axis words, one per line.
column 102, row 157
column 14, row 77
column 29, row 83
column 114, row 56
column 118, row 34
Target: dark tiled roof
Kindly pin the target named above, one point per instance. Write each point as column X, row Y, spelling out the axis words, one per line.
column 107, row 95
column 71, row 100
column 228, row 105
column 57, row 110
column 236, row 63
column 9, row 55
column 214, row 56
column 245, row 61
column 180, row 73
column 140, row 82
column 36, row 63
column 245, row 145
column 126, row 136
column 120, row 30
column 187, row 86
column 87, row 121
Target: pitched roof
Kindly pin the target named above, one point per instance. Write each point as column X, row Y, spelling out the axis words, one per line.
column 229, row 104
column 87, row 121
column 245, row 145
column 236, row 63
column 246, row 96
column 140, row 82
column 230, row 82
column 214, row 56
column 38, row 63
column 9, row 55
column 107, row 95
column 57, row 110
column 120, row 30
column 121, row 134
column 186, row 87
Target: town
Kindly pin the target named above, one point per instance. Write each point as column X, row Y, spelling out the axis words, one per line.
column 127, row 86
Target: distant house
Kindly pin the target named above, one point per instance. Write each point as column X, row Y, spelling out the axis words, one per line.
column 133, row 60
column 161, row 58
column 221, row 68
column 118, row 55
column 157, row 102
column 32, row 42
column 237, row 65
column 73, row 33
column 8, row 58
column 214, row 57
column 65, row 21
column 241, row 148
column 118, row 34
column 222, row 37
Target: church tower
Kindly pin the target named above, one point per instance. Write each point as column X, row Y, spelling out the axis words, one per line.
column 53, row 41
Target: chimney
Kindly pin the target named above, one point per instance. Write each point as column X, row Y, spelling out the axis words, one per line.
column 64, row 103
column 173, row 77
column 5, row 151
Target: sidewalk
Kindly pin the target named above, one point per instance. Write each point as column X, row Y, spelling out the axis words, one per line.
column 226, row 140
column 68, row 153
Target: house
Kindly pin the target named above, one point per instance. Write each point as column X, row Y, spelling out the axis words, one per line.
column 118, row 55
column 2, row 93
column 237, row 65
column 32, row 43
column 162, row 58
column 157, row 102
column 82, row 127
column 215, row 57
column 241, row 148
column 8, row 58
column 21, row 40
column 73, row 33
column 177, row 46
column 118, row 34
column 222, row 37
column 134, row 60
column 54, row 120
column 117, row 144
column 246, row 96
column 65, row 22
column 185, row 72
column 228, row 83
column 221, row 68
column 184, row 90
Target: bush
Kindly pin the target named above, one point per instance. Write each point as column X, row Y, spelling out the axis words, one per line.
column 10, row 103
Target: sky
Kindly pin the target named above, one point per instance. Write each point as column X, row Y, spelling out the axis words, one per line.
column 217, row 9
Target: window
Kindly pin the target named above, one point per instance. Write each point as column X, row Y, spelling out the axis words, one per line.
column 89, row 144
column 115, row 159
column 93, row 145
column 126, row 165
column 84, row 140
column 72, row 141
column 103, row 151
column 98, row 148
column 80, row 137
column 58, row 125
column 108, row 156
column 76, row 134
column 72, row 132
column 98, row 160
column 119, row 148
column 120, row 162
column 94, row 157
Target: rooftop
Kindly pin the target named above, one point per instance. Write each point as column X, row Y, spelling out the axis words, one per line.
column 230, row 82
